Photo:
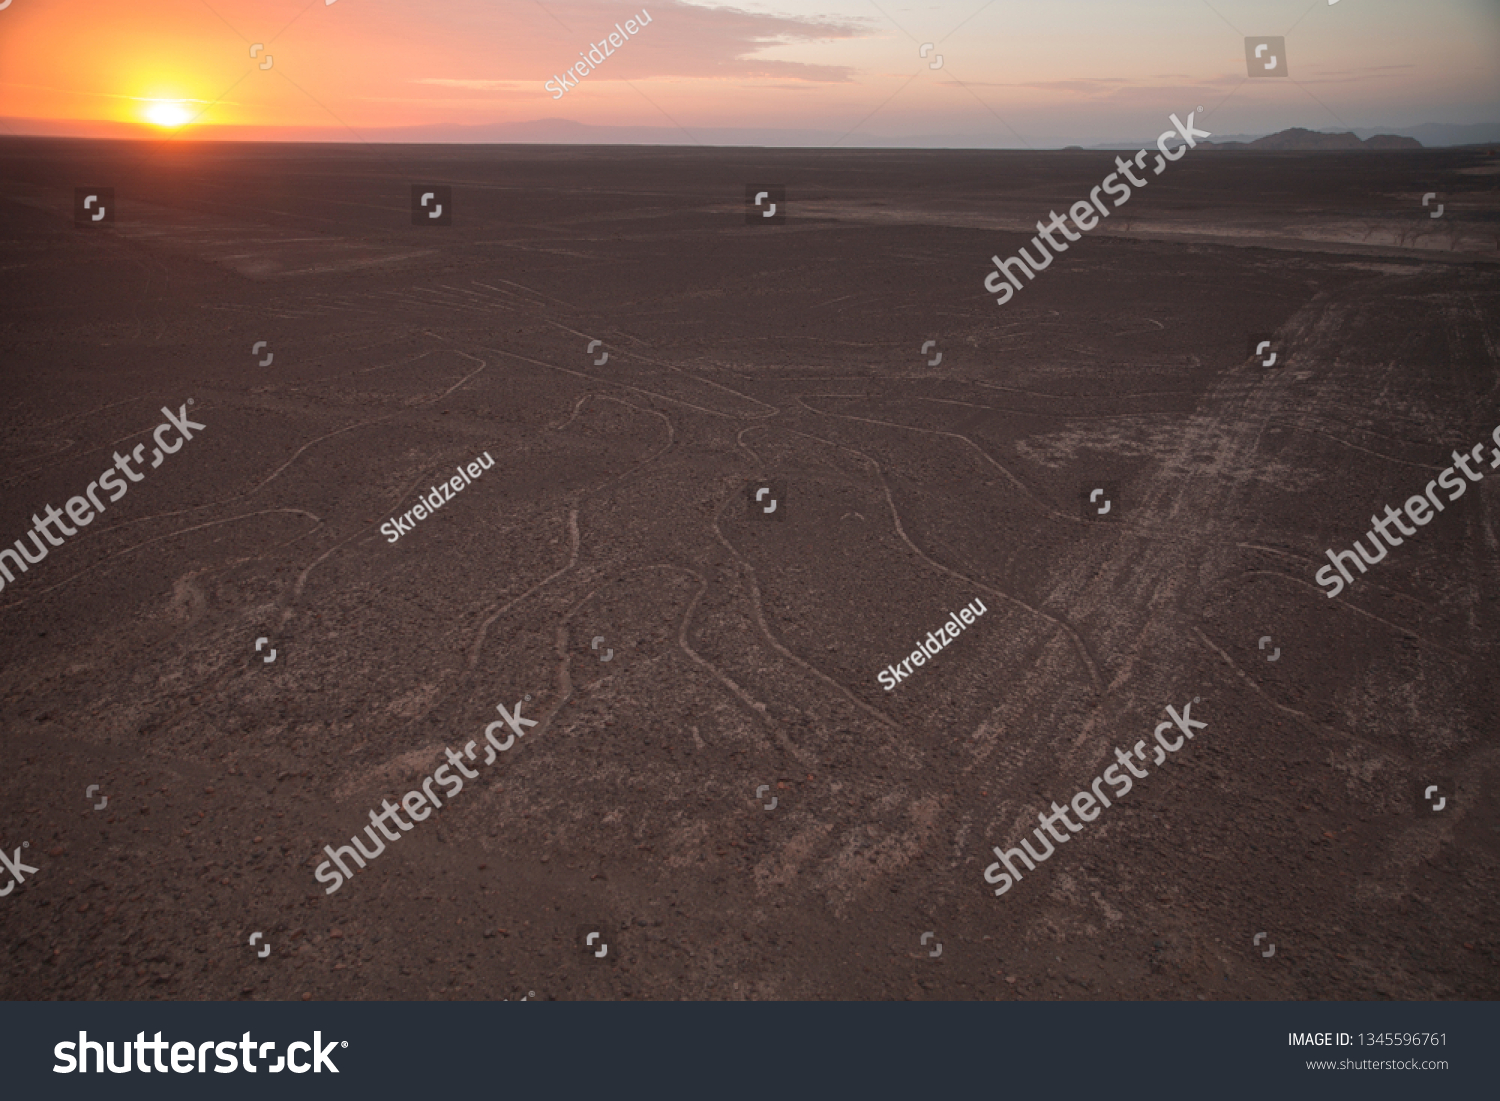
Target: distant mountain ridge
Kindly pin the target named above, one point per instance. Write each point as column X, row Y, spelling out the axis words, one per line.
column 1430, row 134
column 1299, row 139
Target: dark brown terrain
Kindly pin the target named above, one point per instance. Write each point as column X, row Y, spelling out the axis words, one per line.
column 745, row 653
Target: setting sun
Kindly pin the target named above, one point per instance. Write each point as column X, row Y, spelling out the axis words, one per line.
column 169, row 115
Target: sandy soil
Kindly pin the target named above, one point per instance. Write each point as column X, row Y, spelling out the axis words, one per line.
column 745, row 653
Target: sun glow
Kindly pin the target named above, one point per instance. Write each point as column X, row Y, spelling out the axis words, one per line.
column 169, row 115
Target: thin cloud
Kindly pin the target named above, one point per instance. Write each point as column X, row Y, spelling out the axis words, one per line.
column 681, row 41
column 111, row 95
column 473, row 85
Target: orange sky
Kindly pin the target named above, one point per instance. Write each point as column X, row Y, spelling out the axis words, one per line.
column 1074, row 70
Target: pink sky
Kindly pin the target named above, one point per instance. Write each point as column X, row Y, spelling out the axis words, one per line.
column 1040, row 73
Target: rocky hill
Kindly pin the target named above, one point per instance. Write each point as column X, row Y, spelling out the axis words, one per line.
column 1299, row 139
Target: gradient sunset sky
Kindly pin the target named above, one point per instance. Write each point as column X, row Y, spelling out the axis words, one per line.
column 1037, row 73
